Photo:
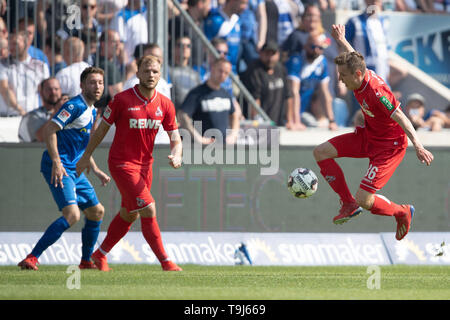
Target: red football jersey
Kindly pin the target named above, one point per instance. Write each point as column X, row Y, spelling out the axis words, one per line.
column 378, row 105
column 137, row 121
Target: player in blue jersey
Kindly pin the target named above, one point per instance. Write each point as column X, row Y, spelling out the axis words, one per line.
column 66, row 136
column 308, row 75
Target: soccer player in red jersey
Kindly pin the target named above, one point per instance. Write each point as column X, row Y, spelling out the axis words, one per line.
column 383, row 140
column 137, row 114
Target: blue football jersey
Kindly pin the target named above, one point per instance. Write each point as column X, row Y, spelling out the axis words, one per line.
column 218, row 24
column 310, row 76
column 76, row 119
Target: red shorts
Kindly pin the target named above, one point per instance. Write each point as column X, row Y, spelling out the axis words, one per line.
column 382, row 162
column 134, row 184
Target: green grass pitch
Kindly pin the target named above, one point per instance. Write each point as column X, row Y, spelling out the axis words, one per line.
column 196, row 282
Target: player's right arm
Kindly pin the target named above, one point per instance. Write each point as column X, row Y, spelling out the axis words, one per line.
column 99, row 134
column 338, row 33
column 51, row 140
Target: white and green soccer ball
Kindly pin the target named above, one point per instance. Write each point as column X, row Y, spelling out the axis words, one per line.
column 302, row 183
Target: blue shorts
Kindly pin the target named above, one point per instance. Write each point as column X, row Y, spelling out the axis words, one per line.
column 77, row 190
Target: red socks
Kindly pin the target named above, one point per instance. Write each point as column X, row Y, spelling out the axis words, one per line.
column 150, row 229
column 151, row 232
column 384, row 207
column 332, row 172
column 116, row 231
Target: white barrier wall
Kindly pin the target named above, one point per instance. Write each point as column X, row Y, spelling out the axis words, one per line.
column 265, row 249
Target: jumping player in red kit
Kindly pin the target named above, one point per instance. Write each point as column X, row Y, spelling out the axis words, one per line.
column 383, row 140
column 137, row 114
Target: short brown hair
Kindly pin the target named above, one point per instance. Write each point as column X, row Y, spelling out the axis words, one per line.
column 86, row 72
column 147, row 59
column 352, row 60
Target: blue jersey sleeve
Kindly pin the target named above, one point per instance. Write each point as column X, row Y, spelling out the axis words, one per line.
column 66, row 114
column 212, row 24
column 350, row 31
column 294, row 66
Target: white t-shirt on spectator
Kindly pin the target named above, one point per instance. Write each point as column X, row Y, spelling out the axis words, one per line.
column 69, row 78
column 24, row 78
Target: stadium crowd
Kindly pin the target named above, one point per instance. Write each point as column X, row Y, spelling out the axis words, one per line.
column 278, row 48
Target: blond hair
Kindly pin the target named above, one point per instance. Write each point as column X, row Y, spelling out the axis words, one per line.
column 147, row 59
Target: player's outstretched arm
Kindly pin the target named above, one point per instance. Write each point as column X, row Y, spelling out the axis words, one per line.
column 99, row 134
column 423, row 154
column 176, row 149
column 338, row 33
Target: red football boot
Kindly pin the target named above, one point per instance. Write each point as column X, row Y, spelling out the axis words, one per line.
column 87, row 265
column 168, row 265
column 347, row 212
column 404, row 221
column 29, row 262
column 100, row 261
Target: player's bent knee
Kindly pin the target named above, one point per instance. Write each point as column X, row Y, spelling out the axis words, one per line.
column 324, row 151
column 364, row 199
column 95, row 213
column 149, row 211
column 72, row 214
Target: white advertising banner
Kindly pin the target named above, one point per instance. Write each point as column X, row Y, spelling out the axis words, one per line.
column 419, row 248
column 212, row 248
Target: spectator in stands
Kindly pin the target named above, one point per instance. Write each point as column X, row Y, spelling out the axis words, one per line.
column 69, row 77
column 27, row 25
column 221, row 46
column 224, row 23
column 433, row 120
column 367, row 33
column 110, row 51
column 91, row 44
column 152, row 49
column 289, row 12
column 107, row 10
column 308, row 74
column 211, row 106
column 32, row 124
column 266, row 79
column 311, row 21
column 88, row 21
column 198, row 11
column 327, row 5
column 253, row 32
column 8, row 99
column 24, row 74
column 182, row 76
column 3, row 29
column 53, row 51
column 135, row 32
column 272, row 21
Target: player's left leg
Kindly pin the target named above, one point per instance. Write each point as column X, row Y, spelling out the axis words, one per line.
column 152, row 234
column 94, row 212
column 379, row 172
column 89, row 234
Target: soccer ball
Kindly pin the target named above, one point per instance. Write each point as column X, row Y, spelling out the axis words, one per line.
column 302, row 183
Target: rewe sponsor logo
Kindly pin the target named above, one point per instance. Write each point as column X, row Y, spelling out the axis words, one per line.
column 144, row 124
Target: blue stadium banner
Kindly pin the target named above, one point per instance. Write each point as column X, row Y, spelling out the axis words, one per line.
column 423, row 40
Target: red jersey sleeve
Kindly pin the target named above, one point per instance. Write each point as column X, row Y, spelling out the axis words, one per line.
column 111, row 112
column 386, row 101
column 169, row 121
